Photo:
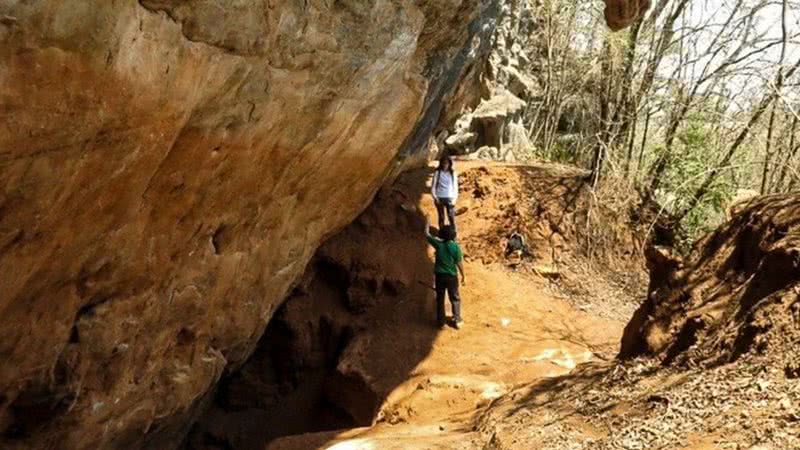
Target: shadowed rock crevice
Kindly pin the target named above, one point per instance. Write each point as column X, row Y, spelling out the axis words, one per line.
column 312, row 370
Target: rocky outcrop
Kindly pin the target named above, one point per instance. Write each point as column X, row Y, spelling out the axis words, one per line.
column 737, row 293
column 167, row 170
column 487, row 126
column 489, row 129
column 515, row 76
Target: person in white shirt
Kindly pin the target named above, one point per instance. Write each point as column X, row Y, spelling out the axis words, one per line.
column 444, row 189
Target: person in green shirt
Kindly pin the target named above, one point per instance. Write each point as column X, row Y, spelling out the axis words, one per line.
column 448, row 265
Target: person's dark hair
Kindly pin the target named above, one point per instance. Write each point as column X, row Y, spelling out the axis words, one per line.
column 447, row 233
column 446, row 160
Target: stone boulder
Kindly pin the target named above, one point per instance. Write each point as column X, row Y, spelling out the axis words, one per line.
column 490, row 118
column 486, row 125
column 520, row 84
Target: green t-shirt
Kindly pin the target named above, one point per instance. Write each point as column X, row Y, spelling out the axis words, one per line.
column 448, row 255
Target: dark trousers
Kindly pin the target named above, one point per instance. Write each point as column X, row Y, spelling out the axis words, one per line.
column 449, row 284
column 446, row 204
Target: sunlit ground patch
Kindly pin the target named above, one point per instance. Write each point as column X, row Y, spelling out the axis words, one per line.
column 354, row 444
column 561, row 357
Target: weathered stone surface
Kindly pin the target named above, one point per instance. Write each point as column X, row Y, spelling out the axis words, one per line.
column 461, row 140
column 507, row 86
column 520, row 84
column 518, row 137
column 622, row 13
column 516, row 64
column 501, row 106
column 167, row 169
column 492, row 117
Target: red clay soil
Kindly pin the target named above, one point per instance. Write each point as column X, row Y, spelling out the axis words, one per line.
column 590, row 253
column 716, row 342
column 738, row 292
column 353, row 360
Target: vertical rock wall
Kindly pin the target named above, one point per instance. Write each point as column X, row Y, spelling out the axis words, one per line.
column 167, row 169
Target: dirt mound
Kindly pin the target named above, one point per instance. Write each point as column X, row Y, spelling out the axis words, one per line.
column 589, row 252
column 736, row 293
column 724, row 320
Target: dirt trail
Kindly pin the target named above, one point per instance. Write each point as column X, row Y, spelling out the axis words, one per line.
column 516, row 332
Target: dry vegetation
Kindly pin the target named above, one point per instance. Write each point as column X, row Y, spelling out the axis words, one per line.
column 693, row 104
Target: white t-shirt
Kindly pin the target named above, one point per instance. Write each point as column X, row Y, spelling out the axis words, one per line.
column 445, row 184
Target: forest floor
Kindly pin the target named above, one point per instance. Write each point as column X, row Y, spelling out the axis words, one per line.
column 534, row 367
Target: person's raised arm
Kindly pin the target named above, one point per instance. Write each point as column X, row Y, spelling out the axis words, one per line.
column 432, row 240
column 459, row 257
column 434, row 181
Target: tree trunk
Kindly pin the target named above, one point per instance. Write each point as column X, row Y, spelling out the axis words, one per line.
column 768, row 152
column 784, row 167
column 631, row 143
column 644, row 142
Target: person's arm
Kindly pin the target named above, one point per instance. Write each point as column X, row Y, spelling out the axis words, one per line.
column 433, row 185
column 460, row 265
column 455, row 186
column 431, row 240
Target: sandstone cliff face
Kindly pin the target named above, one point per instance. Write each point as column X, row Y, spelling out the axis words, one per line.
column 167, row 169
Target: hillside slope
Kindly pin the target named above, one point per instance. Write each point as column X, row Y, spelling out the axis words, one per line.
column 738, row 292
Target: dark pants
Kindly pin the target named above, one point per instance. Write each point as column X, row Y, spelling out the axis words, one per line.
column 449, row 284
column 441, row 205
